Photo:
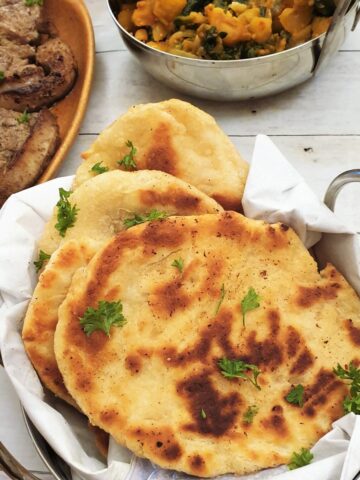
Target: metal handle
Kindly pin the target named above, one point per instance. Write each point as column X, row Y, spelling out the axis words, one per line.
column 337, row 184
column 12, row 467
column 333, row 37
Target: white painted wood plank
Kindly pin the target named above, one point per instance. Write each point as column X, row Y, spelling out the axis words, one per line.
column 329, row 104
column 13, row 433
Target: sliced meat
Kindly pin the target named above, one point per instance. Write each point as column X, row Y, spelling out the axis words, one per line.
column 49, row 79
column 20, row 22
column 17, row 65
column 25, row 149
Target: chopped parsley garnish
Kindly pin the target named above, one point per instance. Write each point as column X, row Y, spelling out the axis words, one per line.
column 98, row 168
column 103, row 317
column 31, row 3
column 138, row 219
column 296, row 396
column 2, row 75
column 128, row 161
column 179, row 264
column 250, row 413
column 251, row 301
column 39, row 263
column 203, row 414
column 300, row 459
column 237, row 369
column 24, row 117
column 66, row 213
column 221, row 299
column 352, row 373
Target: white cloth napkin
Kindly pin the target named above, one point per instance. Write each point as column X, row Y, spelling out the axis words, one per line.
column 274, row 192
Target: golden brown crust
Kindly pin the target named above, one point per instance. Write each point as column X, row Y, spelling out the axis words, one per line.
column 158, row 388
column 177, row 138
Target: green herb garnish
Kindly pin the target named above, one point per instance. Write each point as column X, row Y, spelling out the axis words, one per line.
column 300, row 459
column 39, row 263
column 98, row 168
column 221, row 299
column 262, row 11
column 296, row 396
column 31, row 3
column 66, row 213
column 24, row 117
column 238, row 369
column 203, row 414
column 2, row 75
column 352, row 373
column 128, row 161
column 250, row 413
column 251, row 301
column 138, row 219
column 179, row 264
column 103, row 317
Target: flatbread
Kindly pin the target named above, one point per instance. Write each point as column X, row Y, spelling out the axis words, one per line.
column 177, row 138
column 104, row 202
column 155, row 384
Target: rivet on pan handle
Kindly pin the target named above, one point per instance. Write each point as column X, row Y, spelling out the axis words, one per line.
column 334, row 36
column 337, row 184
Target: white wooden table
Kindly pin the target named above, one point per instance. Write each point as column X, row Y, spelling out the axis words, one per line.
column 316, row 125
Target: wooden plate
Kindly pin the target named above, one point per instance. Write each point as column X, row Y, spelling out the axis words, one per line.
column 72, row 21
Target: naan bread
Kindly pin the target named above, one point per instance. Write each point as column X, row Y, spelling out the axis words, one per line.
column 104, row 202
column 155, row 383
column 177, row 138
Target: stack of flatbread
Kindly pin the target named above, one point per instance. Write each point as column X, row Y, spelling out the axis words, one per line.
column 220, row 319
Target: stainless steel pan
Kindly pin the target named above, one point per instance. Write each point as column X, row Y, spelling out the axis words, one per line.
column 245, row 78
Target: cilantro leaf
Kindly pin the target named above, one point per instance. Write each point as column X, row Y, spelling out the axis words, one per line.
column 352, row 373
column 237, row 369
column 296, row 396
column 300, row 459
column 103, row 317
column 138, row 219
column 179, row 264
column 31, row 3
column 221, row 299
column 2, row 75
column 98, row 168
column 39, row 263
column 251, row 301
column 250, row 413
column 352, row 404
column 24, row 117
column 203, row 414
column 66, row 213
column 128, row 161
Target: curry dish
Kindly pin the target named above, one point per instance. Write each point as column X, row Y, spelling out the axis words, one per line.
column 225, row 30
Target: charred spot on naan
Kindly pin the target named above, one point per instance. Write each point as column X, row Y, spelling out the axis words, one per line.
column 173, row 196
column 326, row 389
column 308, row 296
column 161, row 441
column 354, row 332
column 161, row 155
column 275, row 423
column 221, row 410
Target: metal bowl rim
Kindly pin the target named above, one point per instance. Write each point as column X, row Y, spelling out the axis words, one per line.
column 222, row 63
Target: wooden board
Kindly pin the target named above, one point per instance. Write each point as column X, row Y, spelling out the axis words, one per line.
column 73, row 23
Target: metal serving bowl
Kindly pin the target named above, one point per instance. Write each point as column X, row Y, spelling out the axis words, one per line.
column 246, row 78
